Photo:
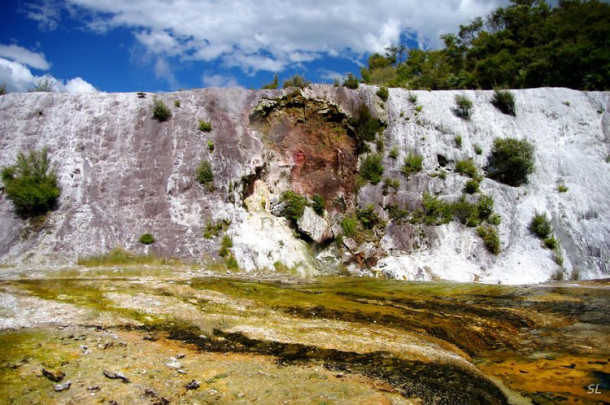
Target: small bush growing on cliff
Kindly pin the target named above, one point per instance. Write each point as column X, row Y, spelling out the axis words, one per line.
column 504, row 101
column 540, row 226
column 351, row 81
column 160, row 111
column 463, row 108
column 369, row 218
column 511, row 161
column 471, row 186
column 365, row 126
column 274, row 84
column 349, row 225
column 413, row 164
column 296, row 81
column 295, row 205
column 477, row 149
column 458, row 141
column 147, row 239
column 393, row 152
column 225, row 245
column 177, row 103
column 31, row 183
column 319, row 204
column 204, row 172
column 383, row 93
column 371, row 168
column 210, row 146
column 205, row 126
column 466, row 167
column 489, row 234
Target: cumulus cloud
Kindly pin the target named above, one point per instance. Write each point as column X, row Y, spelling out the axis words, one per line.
column 216, row 80
column 19, row 78
column 24, row 56
column 270, row 35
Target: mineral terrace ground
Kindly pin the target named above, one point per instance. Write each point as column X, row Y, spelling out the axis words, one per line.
column 280, row 339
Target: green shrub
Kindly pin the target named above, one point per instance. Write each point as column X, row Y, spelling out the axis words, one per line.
column 369, row 218
column 466, row 212
column 177, row 103
column 365, row 126
column 349, row 225
column 205, row 126
column 458, row 141
column 225, row 245
column 296, row 81
column 490, row 238
column 205, row 175
column 160, row 111
column 214, row 229
column 511, row 161
column 274, row 84
column 383, row 93
column 494, row 219
column 412, row 98
column 551, row 242
column 319, row 204
column 295, row 205
column 351, row 81
column 413, row 164
column 541, row 226
column 463, row 107
column 147, row 239
column 504, row 101
column 210, row 146
column 436, row 212
column 562, row 189
column 471, row 186
column 485, row 207
column 141, row 94
column 419, row 108
column 393, row 152
column 371, row 168
column 31, row 184
column 477, row 149
column 466, row 167
column 393, row 183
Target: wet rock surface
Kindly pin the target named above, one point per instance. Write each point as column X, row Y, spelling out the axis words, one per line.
column 185, row 339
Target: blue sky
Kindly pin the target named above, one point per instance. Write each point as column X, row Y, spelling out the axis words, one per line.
column 163, row 45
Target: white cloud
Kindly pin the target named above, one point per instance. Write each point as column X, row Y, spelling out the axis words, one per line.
column 270, row 35
column 24, row 56
column 19, row 78
column 78, row 85
column 216, row 80
column 164, row 71
column 46, row 12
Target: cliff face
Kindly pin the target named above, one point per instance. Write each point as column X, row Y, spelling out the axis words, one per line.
column 123, row 174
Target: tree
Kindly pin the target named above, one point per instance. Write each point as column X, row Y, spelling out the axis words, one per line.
column 511, row 161
column 31, row 184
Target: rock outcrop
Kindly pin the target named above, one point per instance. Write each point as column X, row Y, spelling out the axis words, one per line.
column 123, row 174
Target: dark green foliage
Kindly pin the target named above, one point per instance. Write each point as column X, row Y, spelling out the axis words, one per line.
column 147, row 239
column 489, row 234
column 31, row 184
column 160, row 111
column 141, row 94
column 511, row 161
column 296, row 81
column 471, row 186
column 349, row 225
column 413, row 164
column 205, row 175
column 295, row 205
column 369, row 218
column 210, row 146
column 436, row 212
column 551, row 242
column 319, row 204
column 485, row 207
column 351, row 81
column 412, row 98
column 371, row 168
column 463, row 107
column 390, row 183
column 525, row 44
column 365, row 126
column 466, row 212
column 466, row 167
column 504, row 101
column 205, row 126
column 214, row 229
column 541, row 226
column 225, row 245
column 458, row 141
column 562, row 189
column 177, row 103
column 274, row 84
column 383, row 93
column 477, row 149
column 393, row 152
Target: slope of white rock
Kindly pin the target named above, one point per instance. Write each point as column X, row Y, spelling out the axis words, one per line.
column 123, row 174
